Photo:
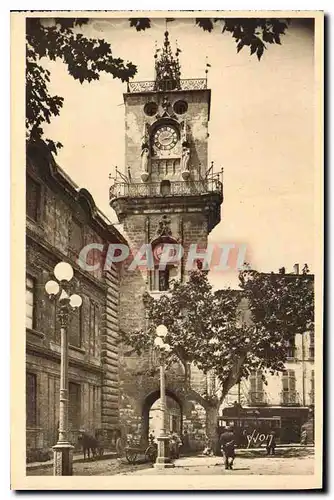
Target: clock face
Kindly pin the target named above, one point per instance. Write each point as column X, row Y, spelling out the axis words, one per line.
column 165, row 138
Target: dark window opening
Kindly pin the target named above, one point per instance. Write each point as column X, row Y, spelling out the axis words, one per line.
column 74, row 405
column 291, row 348
column 31, row 400
column 160, row 280
column 33, row 197
column 150, row 109
column 165, row 188
column 93, row 328
column 75, row 328
column 180, row 107
column 76, row 236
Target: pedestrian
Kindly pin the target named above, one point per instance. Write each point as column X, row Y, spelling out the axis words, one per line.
column 175, row 445
column 271, row 443
column 207, row 448
column 227, row 444
column 151, row 437
column 185, row 442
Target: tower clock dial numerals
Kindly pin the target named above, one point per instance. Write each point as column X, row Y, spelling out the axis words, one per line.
column 165, row 138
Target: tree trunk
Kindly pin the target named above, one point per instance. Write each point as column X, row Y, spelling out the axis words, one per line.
column 212, row 413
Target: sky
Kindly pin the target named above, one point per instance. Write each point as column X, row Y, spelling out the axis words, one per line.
column 261, row 132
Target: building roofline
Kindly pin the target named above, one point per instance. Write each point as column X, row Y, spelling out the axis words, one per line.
column 77, row 193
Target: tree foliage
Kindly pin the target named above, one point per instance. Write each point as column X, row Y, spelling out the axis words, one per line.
column 231, row 332
column 86, row 58
column 255, row 33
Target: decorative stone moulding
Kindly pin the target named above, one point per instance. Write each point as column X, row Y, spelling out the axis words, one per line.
column 144, row 176
column 185, row 174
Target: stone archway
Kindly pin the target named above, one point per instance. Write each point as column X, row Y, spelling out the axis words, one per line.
column 149, row 400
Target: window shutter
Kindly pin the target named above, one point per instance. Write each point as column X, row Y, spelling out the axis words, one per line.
column 252, row 380
column 285, row 381
column 292, row 380
column 30, row 300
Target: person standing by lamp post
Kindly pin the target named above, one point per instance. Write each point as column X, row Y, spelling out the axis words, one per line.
column 60, row 289
column 163, row 460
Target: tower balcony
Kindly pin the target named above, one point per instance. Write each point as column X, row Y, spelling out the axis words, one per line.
column 165, row 188
column 167, row 85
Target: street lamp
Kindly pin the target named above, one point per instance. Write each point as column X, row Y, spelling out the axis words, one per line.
column 63, row 450
column 163, row 460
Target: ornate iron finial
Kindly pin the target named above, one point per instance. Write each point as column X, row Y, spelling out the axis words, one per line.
column 167, row 67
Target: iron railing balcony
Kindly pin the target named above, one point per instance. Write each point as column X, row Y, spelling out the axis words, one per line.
column 257, row 398
column 165, row 189
column 290, row 398
column 167, row 85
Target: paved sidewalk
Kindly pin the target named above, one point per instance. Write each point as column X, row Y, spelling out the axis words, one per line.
column 247, row 459
column 243, row 466
column 77, row 458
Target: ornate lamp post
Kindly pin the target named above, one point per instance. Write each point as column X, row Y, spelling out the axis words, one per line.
column 163, row 460
column 62, row 462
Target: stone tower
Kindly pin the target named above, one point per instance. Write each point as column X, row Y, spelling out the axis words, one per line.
column 167, row 192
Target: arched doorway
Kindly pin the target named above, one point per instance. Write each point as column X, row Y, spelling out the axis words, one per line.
column 151, row 414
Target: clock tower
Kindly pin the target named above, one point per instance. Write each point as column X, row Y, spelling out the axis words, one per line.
column 167, row 192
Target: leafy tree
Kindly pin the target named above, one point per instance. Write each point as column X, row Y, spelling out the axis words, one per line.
column 229, row 332
column 86, row 58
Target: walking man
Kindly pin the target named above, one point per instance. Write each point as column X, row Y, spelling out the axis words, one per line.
column 227, row 444
column 271, row 443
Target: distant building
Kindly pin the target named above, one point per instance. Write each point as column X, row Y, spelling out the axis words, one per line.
column 61, row 220
column 288, row 396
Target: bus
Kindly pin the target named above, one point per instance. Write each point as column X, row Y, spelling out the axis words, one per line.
column 250, row 431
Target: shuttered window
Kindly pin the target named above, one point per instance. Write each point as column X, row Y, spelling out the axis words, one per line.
column 30, row 302
column 289, row 394
column 312, row 388
column 291, row 347
column 256, row 392
column 311, row 348
column 31, row 399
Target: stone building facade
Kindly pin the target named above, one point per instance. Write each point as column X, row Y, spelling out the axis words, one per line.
column 167, row 194
column 61, row 220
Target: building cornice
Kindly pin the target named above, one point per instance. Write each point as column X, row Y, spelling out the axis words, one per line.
column 45, row 353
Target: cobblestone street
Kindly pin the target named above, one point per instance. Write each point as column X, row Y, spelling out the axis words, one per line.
column 290, row 462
